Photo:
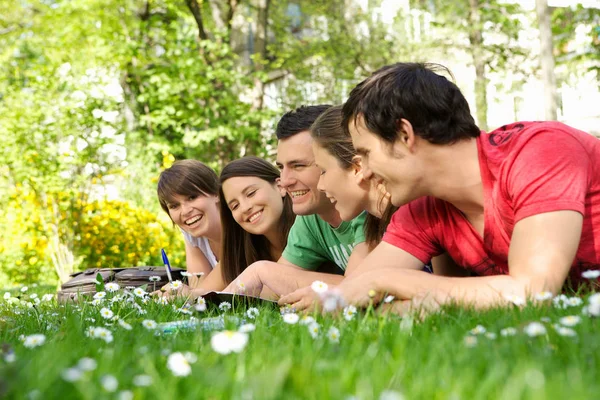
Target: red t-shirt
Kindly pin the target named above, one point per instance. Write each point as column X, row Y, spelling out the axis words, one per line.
column 527, row 168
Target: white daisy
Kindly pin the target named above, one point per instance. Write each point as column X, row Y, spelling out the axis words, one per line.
column 33, row 296
column 313, row 329
column 178, row 364
column 112, row 287
column 185, row 274
column 32, row 341
column 124, row 325
column 407, row 323
column 516, row 300
column 391, row 395
column 591, row 274
column 388, row 299
column 510, row 331
column 125, row 395
column 229, row 341
column 99, row 295
column 535, row 329
column 349, row 312
column 543, row 296
column 103, row 333
column 593, row 308
column 109, row 383
column 574, row 301
column 333, row 334
column 247, row 328
column 490, row 335
column 24, row 289
column 546, row 319
column 290, row 318
column 163, row 300
column 149, row 324
column 154, row 278
column 71, row 374
column 6, row 295
column 241, row 286
column 142, row 380
column 319, row 287
column 176, row 285
column 570, row 320
column 10, row 357
column 224, row 306
column 332, row 300
column 200, row 304
column 478, row 330
column 564, row 331
column 470, row 341
column 87, row 364
column 139, row 292
column 198, row 274
column 306, row 320
column 184, row 311
column 252, row 312
column 106, row 313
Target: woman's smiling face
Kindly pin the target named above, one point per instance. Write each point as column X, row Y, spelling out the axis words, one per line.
column 194, row 214
column 255, row 204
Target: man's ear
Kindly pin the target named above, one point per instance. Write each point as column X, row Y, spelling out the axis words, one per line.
column 405, row 134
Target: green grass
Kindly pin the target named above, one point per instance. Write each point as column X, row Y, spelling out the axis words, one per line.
column 281, row 361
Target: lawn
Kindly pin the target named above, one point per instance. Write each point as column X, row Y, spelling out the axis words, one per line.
column 455, row 354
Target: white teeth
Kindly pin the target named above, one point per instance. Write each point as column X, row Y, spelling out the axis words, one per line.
column 299, row 193
column 193, row 220
column 253, row 217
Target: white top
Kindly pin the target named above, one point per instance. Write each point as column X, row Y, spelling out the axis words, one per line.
column 203, row 245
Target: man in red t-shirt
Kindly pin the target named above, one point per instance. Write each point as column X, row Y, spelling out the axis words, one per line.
column 519, row 207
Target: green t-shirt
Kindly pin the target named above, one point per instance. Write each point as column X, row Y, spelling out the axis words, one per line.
column 312, row 241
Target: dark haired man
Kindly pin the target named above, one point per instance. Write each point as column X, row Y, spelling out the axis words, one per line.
column 519, row 206
column 318, row 237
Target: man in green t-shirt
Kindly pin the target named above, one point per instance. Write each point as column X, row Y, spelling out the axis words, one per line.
column 319, row 236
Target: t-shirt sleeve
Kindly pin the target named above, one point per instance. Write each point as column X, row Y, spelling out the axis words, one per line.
column 303, row 248
column 411, row 229
column 550, row 173
column 358, row 228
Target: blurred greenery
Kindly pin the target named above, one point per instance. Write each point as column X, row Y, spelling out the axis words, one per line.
column 98, row 96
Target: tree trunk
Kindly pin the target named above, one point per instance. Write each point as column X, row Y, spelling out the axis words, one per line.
column 481, row 81
column 547, row 59
column 260, row 52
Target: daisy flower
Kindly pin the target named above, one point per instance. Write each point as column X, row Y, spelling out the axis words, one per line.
column 154, row 278
column 149, row 324
column 162, row 300
column 226, row 342
column 176, row 285
column 99, row 295
column 490, row 335
column 319, row 287
column 516, row 300
column 142, row 380
column 478, row 330
column 6, row 295
column 593, row 308
column 313, row 329
column 103, row 333
column 388, row 299
column 407, row 323
column 201, row 304
column 252, row 312
column 391, row 395
column 106, row 313
column 124, row 325
column 470, row 341
column 32, row 341
column 71, row 374
column 112, row 287
column 178, row 364
column 185, row 274
column 247, row 328
column 24, row 289
column 306, row 320
column 33, row 296
column 290, row 318
column 564, row 331
column 139, row 292
column 543, row 296
column 184, row 311
column 333, row 334
column 349, row 312
column 510, row 331
column 125, row 395
column 198, row 274
column 332, row 301
column 534, row 329
column 224, row 306
column 546, row 319
column 87, row 364
column 241, row 286
column 570, row 320
column 591, row 274
column 109, row 383
column 574, row 301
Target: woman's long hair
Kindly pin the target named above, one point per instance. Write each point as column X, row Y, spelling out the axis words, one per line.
column 327, row 132
column 241, row 248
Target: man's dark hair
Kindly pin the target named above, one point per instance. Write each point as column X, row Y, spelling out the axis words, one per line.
column 298, row 120
column 437, row 110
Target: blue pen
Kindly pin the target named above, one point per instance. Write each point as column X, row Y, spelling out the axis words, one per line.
column 167, row 265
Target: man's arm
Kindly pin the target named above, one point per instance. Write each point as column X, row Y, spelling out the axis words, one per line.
column 541, row 253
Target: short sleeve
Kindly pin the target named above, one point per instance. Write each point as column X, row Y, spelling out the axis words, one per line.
column 302, row 247
column 411, row 229
column 550, row 172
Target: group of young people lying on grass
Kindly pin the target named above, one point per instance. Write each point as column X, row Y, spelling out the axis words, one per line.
column 396, row 192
